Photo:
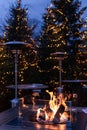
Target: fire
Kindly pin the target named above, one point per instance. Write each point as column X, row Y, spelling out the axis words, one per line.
column 55, row 111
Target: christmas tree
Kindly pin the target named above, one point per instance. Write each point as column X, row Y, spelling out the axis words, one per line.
column 17, row 29
column 61, row 32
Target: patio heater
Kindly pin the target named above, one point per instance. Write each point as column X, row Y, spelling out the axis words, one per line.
column 60, row 57
column 16, row 48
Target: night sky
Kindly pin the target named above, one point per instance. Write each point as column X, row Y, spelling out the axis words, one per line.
column 36, row 9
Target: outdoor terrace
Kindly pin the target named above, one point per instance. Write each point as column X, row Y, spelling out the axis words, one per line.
column 19, row 119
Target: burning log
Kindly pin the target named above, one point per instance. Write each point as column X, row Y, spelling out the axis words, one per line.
column 58, row 114
column 54, row 112
column 40, row 115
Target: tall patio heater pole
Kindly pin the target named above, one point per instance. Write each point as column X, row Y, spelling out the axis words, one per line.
column 16, row 81
column 15, row 47
column 15, row 52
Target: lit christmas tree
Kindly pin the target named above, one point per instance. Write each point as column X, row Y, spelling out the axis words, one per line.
column 17, row 29
column 61, row 32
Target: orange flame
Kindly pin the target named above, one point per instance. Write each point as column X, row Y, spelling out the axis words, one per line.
column 52, row 111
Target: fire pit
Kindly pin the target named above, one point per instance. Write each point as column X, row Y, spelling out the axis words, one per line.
column 48, row 112
column 52, row 114
column 28, row 120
